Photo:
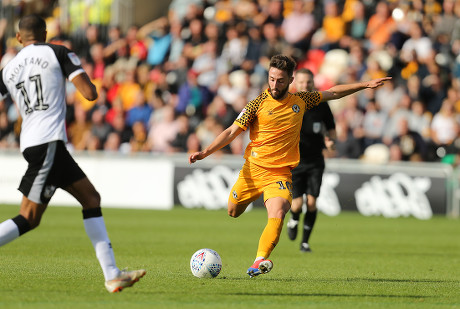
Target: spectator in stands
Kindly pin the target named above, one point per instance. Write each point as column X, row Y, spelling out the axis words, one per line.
column 380, row 27
column 179, row 142
column 254, row 50
column 444, row 127
column 138, row 142
column 298, row 27
column 332, row 29
column 205, row 65
column 271, row 13
column 129, row 88
column 97, row 59
column 357, row 22
column 113, row 143
column 235, row 48
column 389, row 96
column 374, row 124
column 137, row 48
column 141, row 111
column 80, row 130
column 418, row 45
column 99, row 128
column 411, row 143
column 272, row 44
column 159, row 37
column 346, row 146
column 193, row 43
column 420, row 119
column 119, row 127
column 401, row 112
column 193, row 98
column 162, row 132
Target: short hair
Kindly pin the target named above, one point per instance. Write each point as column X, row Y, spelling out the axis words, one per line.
column 304, row 71
column 32, row 23
column 283, row 63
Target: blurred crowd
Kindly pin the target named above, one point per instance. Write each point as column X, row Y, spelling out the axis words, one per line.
column 173, row 84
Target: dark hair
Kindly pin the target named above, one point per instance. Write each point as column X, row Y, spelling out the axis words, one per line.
column 283, row 63
column 32, row 23
column 304, row 71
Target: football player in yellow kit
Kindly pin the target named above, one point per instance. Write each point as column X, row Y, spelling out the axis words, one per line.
column 274, row 119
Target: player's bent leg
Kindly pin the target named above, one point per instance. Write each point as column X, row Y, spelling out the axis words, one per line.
column 89, row 198
column 311, row 203
column 32, row 212
column 277, row 207
column 85, row 193
column 29, row 218
column 309, row 222
column 235, row 210
column 292, row 224
column 296, row 206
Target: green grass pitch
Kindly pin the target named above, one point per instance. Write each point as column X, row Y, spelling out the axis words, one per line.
column 358, row 262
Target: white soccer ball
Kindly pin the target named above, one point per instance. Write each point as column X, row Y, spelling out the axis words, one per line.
column 206, row 263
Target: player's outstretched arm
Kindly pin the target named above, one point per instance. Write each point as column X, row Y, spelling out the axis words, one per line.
column 340, row 91
column 221, row 140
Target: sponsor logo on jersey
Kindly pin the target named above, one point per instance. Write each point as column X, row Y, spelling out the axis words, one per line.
column 74, row 58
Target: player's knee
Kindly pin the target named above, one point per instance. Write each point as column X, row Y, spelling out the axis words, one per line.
column 296, row 205
column 94, row 200
column 233, row 213
column 311, row 203
column 281, row 214
column 234, row 210
column 311, row 206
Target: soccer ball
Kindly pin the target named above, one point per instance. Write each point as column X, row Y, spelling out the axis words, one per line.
column 206, row 263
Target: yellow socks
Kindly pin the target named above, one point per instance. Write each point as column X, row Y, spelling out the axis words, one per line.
column 269, row 237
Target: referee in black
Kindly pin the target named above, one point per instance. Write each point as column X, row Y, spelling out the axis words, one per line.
column 317, row 133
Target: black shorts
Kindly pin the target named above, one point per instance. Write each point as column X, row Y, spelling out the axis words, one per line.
column 50, row 167
column 307, row 178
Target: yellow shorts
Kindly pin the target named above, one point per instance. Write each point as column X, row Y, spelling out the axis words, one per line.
column 254, row 180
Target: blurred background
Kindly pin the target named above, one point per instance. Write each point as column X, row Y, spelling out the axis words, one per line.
column 172, row 75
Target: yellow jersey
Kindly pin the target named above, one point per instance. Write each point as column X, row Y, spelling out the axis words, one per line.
column 275, row 127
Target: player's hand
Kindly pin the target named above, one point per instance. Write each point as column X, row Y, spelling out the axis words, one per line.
column 330, row 143
column 377, row 82
column 195, row 157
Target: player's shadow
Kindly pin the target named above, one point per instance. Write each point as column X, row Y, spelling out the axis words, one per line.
column 310, row 294
column 381, row 280
column 329, row 295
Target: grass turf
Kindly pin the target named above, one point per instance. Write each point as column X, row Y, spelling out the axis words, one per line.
column 358, row 262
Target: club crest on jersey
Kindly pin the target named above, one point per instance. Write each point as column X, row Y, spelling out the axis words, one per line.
column 74, row 58
column 296, row 108
column 241, row 114
column 316, row 127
